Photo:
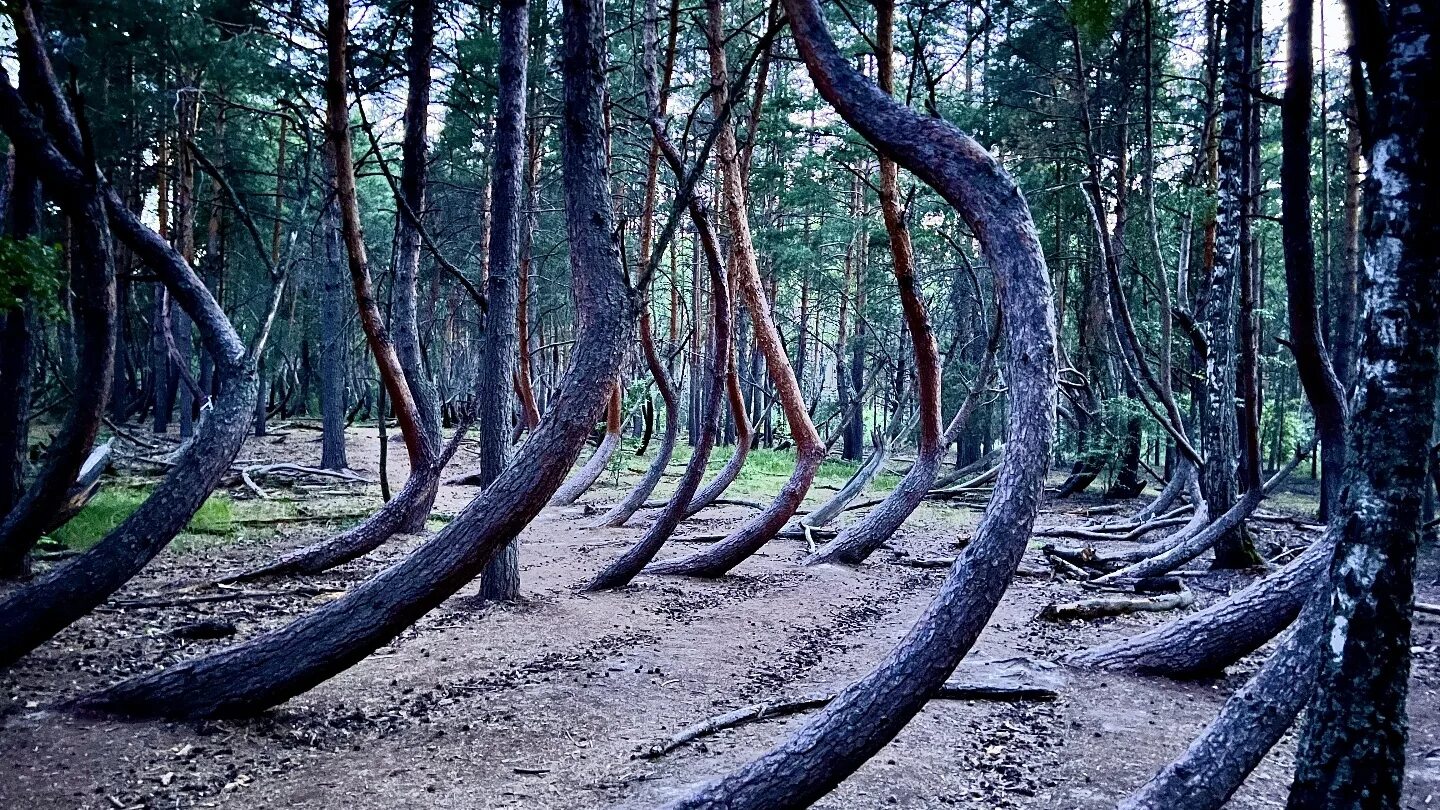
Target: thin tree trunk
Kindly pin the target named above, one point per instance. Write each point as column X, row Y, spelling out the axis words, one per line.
column 334, row 345
column 586, row 476
column 494, row 399
column 405, row 316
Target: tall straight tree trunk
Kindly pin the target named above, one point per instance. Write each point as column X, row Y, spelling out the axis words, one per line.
column 251, row 677
column 809, row 452
column 1352, row 746
column 404, row 318
column 494, row 398
column 334, row 344
column 1312, row 360
column 525, row 387
column 867, row 715
column 1218, row 477
column 183, row 238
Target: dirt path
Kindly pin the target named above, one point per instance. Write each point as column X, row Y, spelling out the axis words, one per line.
column 546, row 704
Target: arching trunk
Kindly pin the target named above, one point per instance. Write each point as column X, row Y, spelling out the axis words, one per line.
column 868, row 714
column 586, row 476
column 93, row 287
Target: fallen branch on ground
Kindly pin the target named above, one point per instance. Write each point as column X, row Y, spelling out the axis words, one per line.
column 1117, row 605
column 954, row 689
column 177, row 601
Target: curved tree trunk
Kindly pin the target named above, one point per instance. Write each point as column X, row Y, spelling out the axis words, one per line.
column 586, row 476
column 1248, row 726
column 809, row 452
column 34, row 613
column 1352, row 747
column 368, row 536
column 501, row 579
column 635, row 498
column 825, row 513
column 868, row 714
column 882, row 521
column 619, row 573
column 744, row 436
column 1204, row 643
column 271, row 668
column 859, row 540
column 93, row 287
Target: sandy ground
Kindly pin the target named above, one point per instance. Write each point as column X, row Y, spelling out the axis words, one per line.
column 547, row 704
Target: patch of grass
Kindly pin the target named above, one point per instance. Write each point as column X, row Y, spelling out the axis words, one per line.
column 110, row 507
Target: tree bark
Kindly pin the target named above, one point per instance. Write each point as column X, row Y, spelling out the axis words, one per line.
column 1352, row 747
column 586, row 476
column 494, row 398
column 271, row 668
column 1219, row 474
column 334, row 344
column 868, row 714
column 34, row 613
column 414, row 153
column 1312, row 360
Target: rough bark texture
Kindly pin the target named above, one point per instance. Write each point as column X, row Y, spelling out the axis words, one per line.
column 494, row 398
column 1248, row 726
column 34, row 613
column 21, row 204
column 809, row 452
column 271, row 668
column 868, row 714
column 620, row 572
column 1220, row 432
column 1205, row 642
column 1352, row 749
column 333, row 343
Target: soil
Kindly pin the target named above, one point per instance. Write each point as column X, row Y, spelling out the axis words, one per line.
column 549, row 703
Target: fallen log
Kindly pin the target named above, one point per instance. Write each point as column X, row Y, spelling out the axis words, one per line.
column 1117, row 605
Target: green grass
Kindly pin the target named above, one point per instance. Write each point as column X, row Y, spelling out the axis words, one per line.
column 109, row 508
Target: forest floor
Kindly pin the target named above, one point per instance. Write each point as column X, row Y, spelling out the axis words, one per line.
column 549, row 703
